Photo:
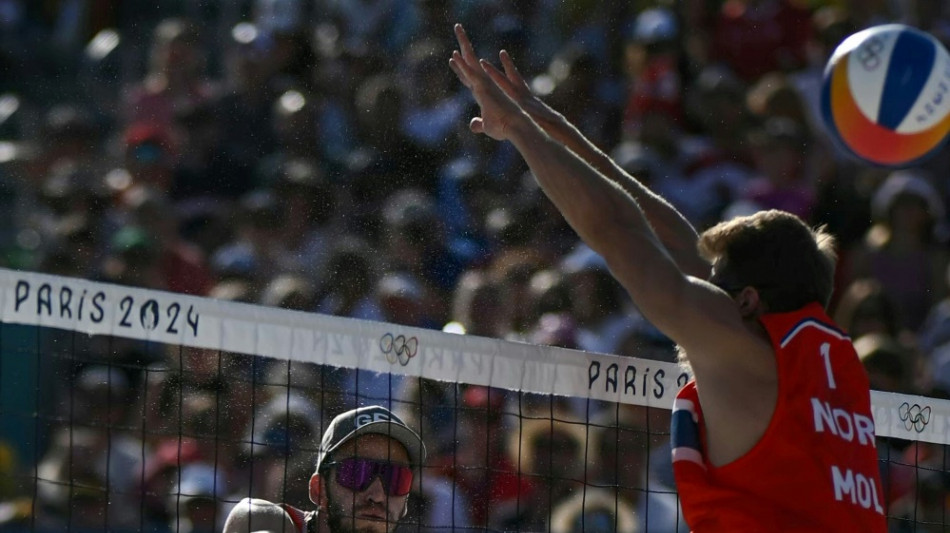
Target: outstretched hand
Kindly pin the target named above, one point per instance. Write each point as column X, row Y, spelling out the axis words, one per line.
column 518, row 90
column 497, row 96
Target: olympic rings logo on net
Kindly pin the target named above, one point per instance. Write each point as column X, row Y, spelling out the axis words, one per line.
column 398, row 348
column 914, row 416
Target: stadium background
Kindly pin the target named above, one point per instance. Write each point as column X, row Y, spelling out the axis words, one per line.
column 314, row 156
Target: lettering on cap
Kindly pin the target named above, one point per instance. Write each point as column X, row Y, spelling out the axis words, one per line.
column 367, row 418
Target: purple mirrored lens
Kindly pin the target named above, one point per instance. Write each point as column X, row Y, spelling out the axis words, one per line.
column 355, row 474
column 358, row 474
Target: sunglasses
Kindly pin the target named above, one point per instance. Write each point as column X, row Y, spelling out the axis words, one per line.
column 357, row 474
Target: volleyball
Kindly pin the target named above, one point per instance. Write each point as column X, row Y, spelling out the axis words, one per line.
column 885, row 95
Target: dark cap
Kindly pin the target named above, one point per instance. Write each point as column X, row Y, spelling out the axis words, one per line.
column 367, row 420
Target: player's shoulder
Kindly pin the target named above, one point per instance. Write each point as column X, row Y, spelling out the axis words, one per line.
column 254, row 504
column 809, row 322
column 255, row 514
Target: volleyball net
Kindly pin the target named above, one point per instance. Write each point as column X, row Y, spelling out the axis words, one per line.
column 125, row 409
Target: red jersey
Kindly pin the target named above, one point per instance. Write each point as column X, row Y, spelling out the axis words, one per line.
column 815, row 468
column 303, row 520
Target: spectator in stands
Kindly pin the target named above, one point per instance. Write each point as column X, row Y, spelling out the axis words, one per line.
column 277, row 443
column 184, row 399
column 159, row 478
column 415, row 244
column 149, row 158
column 551, row 455
column 865, row 307
column 75, row 473
column 387, row 159
column 628, row 457
column 257, row 238
column 780, row 148
column 604, row 316
column 476, row 306
column 572, row 83
column 68, row 216
column 364, row 472
column 774, row 96
column 431, row 114
column 717, row 161
column 284, row 42
column 535, row 224
column 175, row 80
column 904, row 249
column 479, row 463
column 289, row 291
column 296, row 132
column 890, row 365
column 71, row 136
column 385, row 24
column 653, row 58
column 183, row 266
column 402, row 299
column 830, row 25
column 867, row 13
column 554, row 329
column 207, row 169
column 194, row 499
column 512, row 269
column 436, row 504
column 754, row 37
column 594, row 510
column 934, row 333
column 17, row 506
column 550, row 292
column 132, row 260
column 926, row 502
column 312, row 216
column 349, row 281
column 247, row 96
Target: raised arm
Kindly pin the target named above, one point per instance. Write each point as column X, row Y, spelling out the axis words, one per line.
column 675, row 232
column 606, row 216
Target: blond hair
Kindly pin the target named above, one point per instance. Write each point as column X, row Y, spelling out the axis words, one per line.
column 789, row 263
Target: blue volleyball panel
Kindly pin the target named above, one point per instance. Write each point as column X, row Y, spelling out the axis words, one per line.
column 908, row 71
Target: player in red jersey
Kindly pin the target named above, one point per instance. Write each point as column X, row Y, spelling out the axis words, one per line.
column 778, row 432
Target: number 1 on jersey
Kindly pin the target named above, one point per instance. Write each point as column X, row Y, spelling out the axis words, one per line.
column 826, row 355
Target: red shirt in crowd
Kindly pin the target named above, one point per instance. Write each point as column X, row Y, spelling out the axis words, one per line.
column 755, row 38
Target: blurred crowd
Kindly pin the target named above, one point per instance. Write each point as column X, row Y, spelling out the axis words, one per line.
column 314, row 155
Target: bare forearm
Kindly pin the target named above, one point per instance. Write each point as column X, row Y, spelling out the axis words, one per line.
column 592, row 192
column 592, row 204
column 608, row 219
column 674, row 231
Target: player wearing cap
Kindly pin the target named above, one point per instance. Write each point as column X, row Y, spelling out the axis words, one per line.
column 364, row 471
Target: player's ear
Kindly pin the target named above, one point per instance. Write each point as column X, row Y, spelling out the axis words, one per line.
column 316, row 489
column 750, row 304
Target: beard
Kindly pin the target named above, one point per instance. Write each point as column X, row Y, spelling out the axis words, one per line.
column 340, row 521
